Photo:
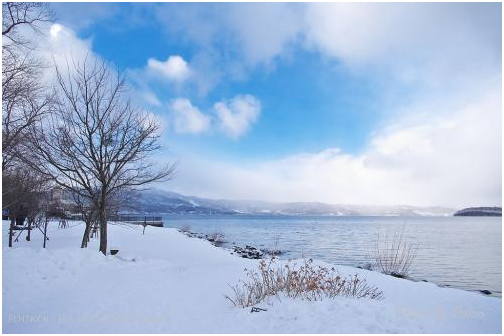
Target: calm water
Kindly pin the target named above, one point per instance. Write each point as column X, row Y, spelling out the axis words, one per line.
column 461, row 252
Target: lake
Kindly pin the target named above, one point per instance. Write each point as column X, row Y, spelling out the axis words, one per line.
column 460, row 252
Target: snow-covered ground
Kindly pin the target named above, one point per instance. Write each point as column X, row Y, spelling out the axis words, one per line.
column 165, row 282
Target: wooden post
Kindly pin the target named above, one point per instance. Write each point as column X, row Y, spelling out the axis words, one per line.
column 11, row 231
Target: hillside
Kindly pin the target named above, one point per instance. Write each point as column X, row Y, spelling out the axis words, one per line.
column 159, row 201
column 480, row 211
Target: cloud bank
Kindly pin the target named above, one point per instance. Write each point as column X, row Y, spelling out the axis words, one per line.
column 453, row 160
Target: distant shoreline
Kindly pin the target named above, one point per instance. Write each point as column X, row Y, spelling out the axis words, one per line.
column 480, row 212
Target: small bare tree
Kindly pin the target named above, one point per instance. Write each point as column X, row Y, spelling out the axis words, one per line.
column 22, row 190
column 89, row 215
column 95, row 143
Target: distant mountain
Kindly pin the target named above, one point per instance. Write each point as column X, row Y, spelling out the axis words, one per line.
column 159, row 201
column 480, row 211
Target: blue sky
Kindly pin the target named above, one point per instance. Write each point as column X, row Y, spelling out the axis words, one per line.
column 341, row 103
column 307, row 103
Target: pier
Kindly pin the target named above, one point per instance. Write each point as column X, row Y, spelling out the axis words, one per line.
column 139, row 220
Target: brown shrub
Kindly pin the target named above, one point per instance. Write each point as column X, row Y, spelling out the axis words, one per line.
column 306, row 281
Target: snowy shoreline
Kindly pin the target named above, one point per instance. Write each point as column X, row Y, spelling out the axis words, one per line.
column 166, row 282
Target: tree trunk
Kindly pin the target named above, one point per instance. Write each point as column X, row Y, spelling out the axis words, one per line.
column 11, row 231
column 28, row 235
column 103, row 219
column 87, row 230
column 103, row 230
column 45, row 232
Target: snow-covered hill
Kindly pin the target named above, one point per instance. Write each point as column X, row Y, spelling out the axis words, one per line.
column 158, row 201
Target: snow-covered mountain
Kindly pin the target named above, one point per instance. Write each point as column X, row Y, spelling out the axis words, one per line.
column 159, row 201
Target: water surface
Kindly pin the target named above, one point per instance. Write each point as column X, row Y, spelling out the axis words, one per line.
column 461, row 252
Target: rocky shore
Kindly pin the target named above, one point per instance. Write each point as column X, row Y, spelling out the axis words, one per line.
column 248, row 252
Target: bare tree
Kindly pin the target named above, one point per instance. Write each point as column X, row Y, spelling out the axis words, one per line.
column 95, row 143
column 24, row 98
column 20, row 111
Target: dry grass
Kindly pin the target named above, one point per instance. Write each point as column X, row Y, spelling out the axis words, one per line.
column 275, row 249
column 394, row 254
column 306, row 281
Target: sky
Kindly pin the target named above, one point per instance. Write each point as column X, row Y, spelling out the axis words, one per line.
column 357, row 103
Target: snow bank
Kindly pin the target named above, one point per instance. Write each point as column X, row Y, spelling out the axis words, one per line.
column 165, row 282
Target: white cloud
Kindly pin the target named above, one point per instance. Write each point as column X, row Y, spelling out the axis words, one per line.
column 150, row 98
column 231, row 38
column 175, row 68
column 234, row 116
column 432, row 44
column 238, row 114
column 55, row 29
column 188, row 118
column 264, row 30
column 147, row 117
column 60, row 45
column 79, row 15
column 207, row 72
